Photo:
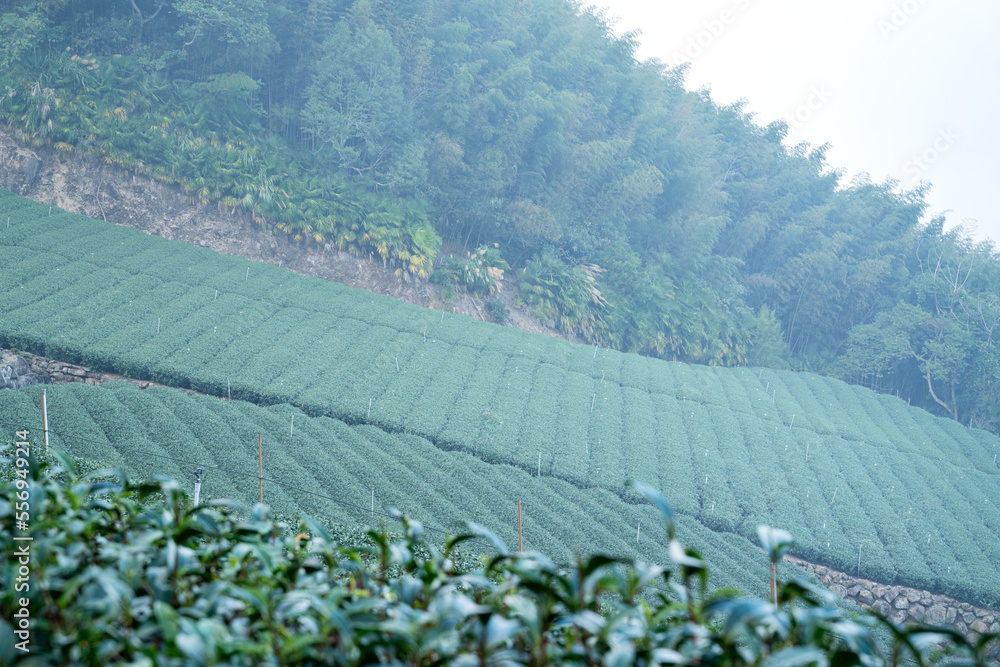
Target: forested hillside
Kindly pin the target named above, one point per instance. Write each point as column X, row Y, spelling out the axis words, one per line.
column 523, row 136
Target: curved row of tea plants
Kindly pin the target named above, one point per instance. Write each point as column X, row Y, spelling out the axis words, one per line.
column 841, row 467
column 329, row 469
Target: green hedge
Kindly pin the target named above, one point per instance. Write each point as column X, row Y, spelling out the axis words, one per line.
column 86, row 291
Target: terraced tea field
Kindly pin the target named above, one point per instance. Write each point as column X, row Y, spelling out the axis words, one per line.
column 842, row 468
column 329, row 469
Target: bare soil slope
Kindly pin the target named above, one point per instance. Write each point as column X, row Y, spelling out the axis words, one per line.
column 85, row 184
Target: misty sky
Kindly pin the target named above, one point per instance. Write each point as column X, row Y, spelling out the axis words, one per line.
column 902, row 89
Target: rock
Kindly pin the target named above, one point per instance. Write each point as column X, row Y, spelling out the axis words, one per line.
column 950, row 617
column 913, row 596
column 15, row 372
column 30, row 168
column 936, row 615
column 900, row 602
column 899, row 617
column 865, row 597
column 995, row 628
column 917, row 613
column 838, row 590
column 854, row 590
column 962, row 627
column 79, row 372
column 968, row 617
column 891, row 594
column 978, row 626
column 882, row 607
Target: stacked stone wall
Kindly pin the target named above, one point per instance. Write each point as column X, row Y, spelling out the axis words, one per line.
column 908, row 605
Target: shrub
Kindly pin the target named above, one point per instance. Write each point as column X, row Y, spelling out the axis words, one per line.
column 497, row 310
column 168, row 584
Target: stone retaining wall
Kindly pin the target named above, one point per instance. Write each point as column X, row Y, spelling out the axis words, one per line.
column 909, row 605
column 60, row 372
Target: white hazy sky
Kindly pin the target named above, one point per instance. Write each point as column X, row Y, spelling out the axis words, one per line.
column 907, row 89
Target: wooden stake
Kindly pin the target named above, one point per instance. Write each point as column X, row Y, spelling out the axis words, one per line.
column 45, row 423
column 520, row 544
column 260, row 464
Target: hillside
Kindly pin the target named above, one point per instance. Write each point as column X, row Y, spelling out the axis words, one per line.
column 327, row 469
column 526, row 138
column 839, row 466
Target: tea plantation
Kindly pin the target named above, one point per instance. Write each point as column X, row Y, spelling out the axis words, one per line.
column 842, row 468
column 328, row 469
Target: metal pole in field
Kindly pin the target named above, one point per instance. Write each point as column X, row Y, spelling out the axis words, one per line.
column 45, row 423
column 197, row 485
column 637, row 527
column 859, row 559
column 520, row 544
column 291, row 429
column 373, row 502
column 260, row 464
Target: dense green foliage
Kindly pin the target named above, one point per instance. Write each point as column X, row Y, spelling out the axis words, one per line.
column 172, row 585
column 328, row 469
column 383, row 126
column 841, row 467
